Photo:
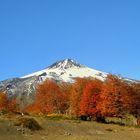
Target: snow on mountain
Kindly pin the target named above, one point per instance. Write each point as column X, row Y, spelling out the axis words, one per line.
column 61, row 71
column 66, row 70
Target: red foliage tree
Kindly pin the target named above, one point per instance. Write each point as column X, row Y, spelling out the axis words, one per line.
column 115, row 97
column 12, row 105
column 76, row 94
column 3, row 101
column 136, row 100
column 33, row 108
column 90, row 98
column 66, row 90
column 7, row 104
column 49, row 99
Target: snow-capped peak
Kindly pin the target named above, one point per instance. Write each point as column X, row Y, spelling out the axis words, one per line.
column 62, row 71
column 65, row 64
column 66, row 70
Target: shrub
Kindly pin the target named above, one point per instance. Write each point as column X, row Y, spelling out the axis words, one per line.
column 113, row 120
column 29, row 123
column 3, row 112
column 128, row 120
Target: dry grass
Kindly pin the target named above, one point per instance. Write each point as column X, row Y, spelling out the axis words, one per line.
column 66, row 130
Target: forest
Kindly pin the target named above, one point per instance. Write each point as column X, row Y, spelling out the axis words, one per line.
column 85, row 98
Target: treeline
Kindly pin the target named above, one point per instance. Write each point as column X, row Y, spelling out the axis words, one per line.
column 87, row 97
column 114, row 97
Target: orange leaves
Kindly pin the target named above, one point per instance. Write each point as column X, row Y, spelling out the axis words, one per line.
column 90, row 98
column 86, row 97
column 136, row 99
column 50, row 99
column 116, row 97
column 33, row 108
column 3, row 101
column 12, row 105
column 113, row 97
column 6, row 104
column 76, row 94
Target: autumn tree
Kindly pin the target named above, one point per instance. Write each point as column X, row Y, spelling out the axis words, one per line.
column 34, row 108
column 66, row 90
column 115, row 97
column 50, row 98
column 90, row 98
column 76, row 94
column 12, row 105
column 3, row 101
column 136, row 100
column 6, row 103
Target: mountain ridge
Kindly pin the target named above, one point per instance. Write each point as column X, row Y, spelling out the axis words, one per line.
column 66, row 70
column 61, row 71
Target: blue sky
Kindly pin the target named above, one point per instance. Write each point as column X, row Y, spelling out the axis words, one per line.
column 102, row 34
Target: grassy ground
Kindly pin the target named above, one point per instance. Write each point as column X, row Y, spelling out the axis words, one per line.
column 67, row 130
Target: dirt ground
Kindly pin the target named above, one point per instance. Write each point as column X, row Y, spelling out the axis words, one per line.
column 68, row 130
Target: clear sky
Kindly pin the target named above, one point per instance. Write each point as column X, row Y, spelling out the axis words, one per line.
column 102, row 34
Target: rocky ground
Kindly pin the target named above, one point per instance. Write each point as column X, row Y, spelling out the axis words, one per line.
column 66, row 130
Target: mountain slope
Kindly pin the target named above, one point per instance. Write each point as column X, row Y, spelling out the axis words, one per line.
column 66, row 70
column 61, row 71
